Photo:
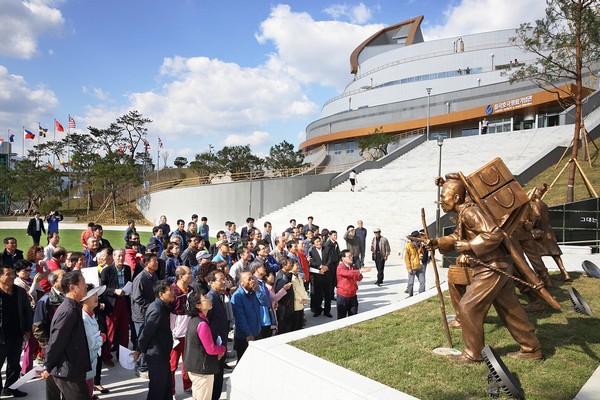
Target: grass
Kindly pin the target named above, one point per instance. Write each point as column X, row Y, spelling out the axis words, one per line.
column 395, row 350
column 69, row 238
column 558, row 194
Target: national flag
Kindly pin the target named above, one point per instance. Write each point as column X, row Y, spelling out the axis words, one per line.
column 121, row 149
column 50, row 167
column 64, row 164
column 160, row 143
column 59, row 127
column 12, row 138
column 28, row 135
column 42, row 131
column 1, row 141
column 71, row 122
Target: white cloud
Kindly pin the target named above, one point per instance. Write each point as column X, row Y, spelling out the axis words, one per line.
column 315, row 52
column 22, row 21
column 95, row 92
column 21, row 104
column 205, row 98
column 358, row 14
column 472, row 16
column 256, row 139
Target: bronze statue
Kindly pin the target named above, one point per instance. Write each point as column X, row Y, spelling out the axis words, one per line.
column 542, row 231
column 479, row 240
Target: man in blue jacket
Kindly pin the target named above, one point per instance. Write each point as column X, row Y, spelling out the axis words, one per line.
column 246, row 310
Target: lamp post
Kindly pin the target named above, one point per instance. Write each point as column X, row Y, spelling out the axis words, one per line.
column 492, row 55
column 440, row 143
column 428, row 108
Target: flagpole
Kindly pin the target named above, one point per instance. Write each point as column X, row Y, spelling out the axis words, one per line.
column 157, row 160
column 39, row 133
column 69, row 164
column 23, row 145
column 54, row 144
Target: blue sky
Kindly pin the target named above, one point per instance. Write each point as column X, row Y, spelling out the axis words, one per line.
column 206, row 72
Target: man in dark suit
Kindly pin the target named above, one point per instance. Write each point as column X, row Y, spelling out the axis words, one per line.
column 248, row 227
column 217, row 319
column 115, row 277
column 333, row 259
column 35, row 228
column 320, row 278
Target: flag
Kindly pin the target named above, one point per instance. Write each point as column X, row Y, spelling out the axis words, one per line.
column 50, row 167
column 121, row 149
column 59, row 127
column 12, row 138
column 42, row 131
column 160, row 143
column 28, row 135
column 64, row 164
column 1, row 141
column 71, row 122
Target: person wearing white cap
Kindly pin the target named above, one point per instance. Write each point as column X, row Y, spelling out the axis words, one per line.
column 95, row 339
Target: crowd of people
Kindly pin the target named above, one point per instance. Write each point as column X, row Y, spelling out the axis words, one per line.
column 173, row 302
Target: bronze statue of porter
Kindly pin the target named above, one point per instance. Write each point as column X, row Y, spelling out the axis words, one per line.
column 479, row 240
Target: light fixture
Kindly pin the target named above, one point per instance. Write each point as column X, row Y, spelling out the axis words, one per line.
column 500, row 375
column 579, row 304
column 590, row 269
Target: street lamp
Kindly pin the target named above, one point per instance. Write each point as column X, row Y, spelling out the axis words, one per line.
column 440, row 143
column 428, row 108
column 492, row 55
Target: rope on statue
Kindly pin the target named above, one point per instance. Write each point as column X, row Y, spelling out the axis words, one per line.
column 480, row 263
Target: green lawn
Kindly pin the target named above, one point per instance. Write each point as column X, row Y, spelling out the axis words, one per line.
column 69, row 238
column 395, row 350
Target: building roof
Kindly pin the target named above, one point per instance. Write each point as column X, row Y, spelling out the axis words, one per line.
column 405, row 33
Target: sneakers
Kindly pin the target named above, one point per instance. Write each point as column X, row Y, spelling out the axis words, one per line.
column 12, row 392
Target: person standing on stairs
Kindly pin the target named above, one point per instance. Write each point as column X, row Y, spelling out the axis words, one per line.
column 353, row 180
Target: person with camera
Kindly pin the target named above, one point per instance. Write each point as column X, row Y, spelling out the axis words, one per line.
column 53, row 218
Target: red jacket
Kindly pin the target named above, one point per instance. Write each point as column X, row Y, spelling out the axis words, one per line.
column 347, row 279
column 304, row 265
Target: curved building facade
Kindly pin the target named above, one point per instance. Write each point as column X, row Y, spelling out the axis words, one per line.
column 400, row 82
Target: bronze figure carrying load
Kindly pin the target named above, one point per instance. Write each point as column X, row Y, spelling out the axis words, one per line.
column 482, row 238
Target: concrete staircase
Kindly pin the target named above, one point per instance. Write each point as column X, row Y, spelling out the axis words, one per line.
column 391, row 198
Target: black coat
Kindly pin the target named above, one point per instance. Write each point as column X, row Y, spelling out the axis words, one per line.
column 10, row 260
column 109, row 278
column 24, row 310
column 67, row 354
column 156, row 338
column 217, row 316
column 31, row 227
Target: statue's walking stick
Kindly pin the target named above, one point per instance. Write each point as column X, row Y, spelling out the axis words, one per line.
column 437, row 284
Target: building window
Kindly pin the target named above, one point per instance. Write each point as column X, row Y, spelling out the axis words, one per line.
column 337, row 148
column 350, row 146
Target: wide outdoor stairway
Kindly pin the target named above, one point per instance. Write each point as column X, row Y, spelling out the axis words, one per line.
column 391, row 197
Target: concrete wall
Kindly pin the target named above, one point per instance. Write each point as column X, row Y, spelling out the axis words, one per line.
column 233, row 201
column 399, row 149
